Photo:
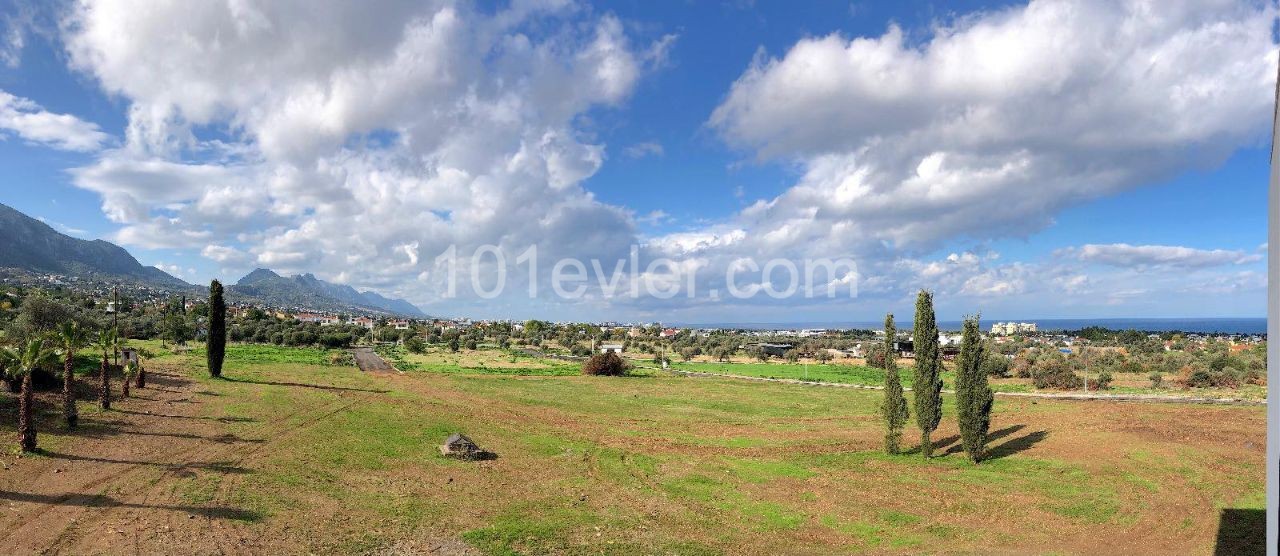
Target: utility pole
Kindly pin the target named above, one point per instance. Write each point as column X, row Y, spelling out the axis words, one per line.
column 1084, row 353
column 115, row 322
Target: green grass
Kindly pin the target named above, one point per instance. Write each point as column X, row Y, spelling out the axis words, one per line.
column 669, row 464
column 869, row 376
column 831, row 372
column 849, row 374
column 487, row 360
column 267, row 353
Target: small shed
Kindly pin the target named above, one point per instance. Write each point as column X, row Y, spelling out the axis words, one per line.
column 611, row 348
column 459, row 446
column 129, row 355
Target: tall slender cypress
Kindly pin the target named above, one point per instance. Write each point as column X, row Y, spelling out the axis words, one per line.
column 927, row 386
column 973, row 395
column 894, row 407
column 217, row 338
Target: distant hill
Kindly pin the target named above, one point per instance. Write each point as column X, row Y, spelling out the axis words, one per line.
column 305, row 290
column 31, row 245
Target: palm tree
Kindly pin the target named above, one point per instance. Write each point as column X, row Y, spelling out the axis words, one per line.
column 128, row 371
column 12, row 381
column 5, row 363
column 24, row 361
column 142, row 369
column 72, row 337
column 107, row 341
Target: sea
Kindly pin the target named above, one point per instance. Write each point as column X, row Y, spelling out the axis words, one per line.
column 1228, row 325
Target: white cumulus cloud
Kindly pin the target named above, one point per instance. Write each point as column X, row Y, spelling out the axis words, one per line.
column 31, row 122
column 1158, row 256
column 357, row 140
column 993, row 122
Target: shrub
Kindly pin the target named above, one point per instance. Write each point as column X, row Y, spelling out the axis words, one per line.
column 1021, row 367
column 994, row 364
column 1102, row 382
column 1062, row 379
column 605, row 364
column 1198, row 377
column 1157, row 379
column 579, row 350
column 471, row 344
column 1054, row 372
column 876, row 356
column 1218, row 376
column 415, row 344
column 1131, row 366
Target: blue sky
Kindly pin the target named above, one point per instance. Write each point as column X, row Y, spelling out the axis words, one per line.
column 1022, row 160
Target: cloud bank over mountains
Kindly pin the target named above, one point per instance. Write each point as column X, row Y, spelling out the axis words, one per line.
column 360, row 143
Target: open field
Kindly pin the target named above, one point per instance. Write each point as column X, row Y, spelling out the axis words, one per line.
column 292, row 454
column 484, row 361
column 852, row 373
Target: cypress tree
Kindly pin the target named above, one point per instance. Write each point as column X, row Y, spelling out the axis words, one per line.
column 894, row 408
column 927, row 389
column 973, row 395
column 216, row 342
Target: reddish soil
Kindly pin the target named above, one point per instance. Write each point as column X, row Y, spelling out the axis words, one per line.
column 110, row 487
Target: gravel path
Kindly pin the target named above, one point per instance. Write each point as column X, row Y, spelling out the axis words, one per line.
column 371, row 362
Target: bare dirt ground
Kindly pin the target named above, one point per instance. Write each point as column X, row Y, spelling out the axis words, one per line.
column 110, row 488
column 104, row 491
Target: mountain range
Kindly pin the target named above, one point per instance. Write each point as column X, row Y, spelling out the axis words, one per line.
column 305, row 290
column 29, row 245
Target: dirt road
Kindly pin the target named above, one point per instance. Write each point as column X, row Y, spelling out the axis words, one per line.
column 371, row 362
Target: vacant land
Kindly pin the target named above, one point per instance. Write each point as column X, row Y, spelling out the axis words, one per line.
column 292, row 454
column 852, row 373
column 484, row 361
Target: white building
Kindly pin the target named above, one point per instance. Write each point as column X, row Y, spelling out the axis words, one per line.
column 611, row 348
column 1010, row 328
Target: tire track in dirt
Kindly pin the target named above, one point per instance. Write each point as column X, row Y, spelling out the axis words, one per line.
column 89, row 504
column 80, row 501
column 228, row 534
column 58, row 500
